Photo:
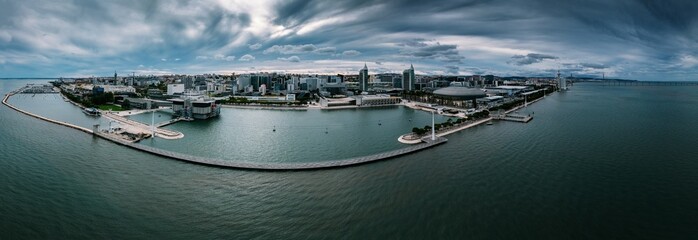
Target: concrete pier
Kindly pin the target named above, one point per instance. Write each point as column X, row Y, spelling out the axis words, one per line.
column 7, row 97
column 402, row 138
column 168, row 122
column 514, row 118
column 144, row 128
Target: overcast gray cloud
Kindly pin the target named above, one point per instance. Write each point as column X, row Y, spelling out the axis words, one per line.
column 290, row 59
column 530, row 58
column 291, row 49
column 424, row 50
column 452, row 70
column 247, row 58
column 653, row 40
column 593, row 65
column 351, row 53
column 255, row 46
column 326, row 50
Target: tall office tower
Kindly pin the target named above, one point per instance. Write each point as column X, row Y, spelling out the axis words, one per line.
column 408, row 79
column 363, row 79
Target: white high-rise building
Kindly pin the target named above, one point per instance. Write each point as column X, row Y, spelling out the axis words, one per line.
column 173, row 89
column 408, row 79
column 291, row 84
column 363, row 79
column 312, row 83
column 263, row 89
column 562, row 81
column 243, row 81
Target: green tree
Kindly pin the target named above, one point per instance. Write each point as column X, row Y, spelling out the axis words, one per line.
column 126, row 104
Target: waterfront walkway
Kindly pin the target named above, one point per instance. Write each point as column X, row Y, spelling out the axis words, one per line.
column 428, row 143
column 277, row 166
column 139, row 111
column 265, row 107
column 7, row 97
column 442, row 133
column 137, row 127
column 505, row 116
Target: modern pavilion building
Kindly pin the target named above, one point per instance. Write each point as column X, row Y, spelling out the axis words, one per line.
column 458, row 96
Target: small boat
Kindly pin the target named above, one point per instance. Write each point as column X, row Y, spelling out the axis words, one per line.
column 91, row 111
column 489, row 123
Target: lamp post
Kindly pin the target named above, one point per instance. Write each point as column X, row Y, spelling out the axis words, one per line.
column 433, row 131
column 152, row 124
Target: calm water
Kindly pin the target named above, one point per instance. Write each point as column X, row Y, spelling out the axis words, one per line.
column 596, row 162
column 300, row 136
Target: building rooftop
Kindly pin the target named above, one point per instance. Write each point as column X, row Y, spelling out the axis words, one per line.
column 507, row 87
column 460, row 92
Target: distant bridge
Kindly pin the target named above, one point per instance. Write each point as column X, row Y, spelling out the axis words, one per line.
column 650, row 83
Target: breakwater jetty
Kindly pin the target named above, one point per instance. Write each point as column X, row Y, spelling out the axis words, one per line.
column 277, row 166
column 7, row 97
column 427, row 143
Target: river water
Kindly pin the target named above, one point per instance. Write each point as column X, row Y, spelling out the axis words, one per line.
column 595, row 162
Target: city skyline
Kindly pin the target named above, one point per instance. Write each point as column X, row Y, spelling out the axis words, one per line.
column 621, row 39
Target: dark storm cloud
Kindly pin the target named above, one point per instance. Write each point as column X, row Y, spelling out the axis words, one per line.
column 663, row 27
column 293, row 12
column 299, row 49
column 452, row 69
column 291, row 49
column 100, row 27
column 474, row 17
column 595, row 27
column 352, row 53
column 530, row 58
column 475, row 70
column 593, row 65
column 9, row 12
column 417, row 42
column 584, row 66
column 620, row 37
column 326, row 50
column 420, row 49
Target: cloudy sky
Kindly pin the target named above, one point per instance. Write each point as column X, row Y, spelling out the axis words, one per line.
column 635, row 39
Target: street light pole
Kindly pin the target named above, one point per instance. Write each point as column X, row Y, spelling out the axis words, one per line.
column 433, row 131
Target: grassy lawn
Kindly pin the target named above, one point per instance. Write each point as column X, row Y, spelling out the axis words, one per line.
column 110, row 107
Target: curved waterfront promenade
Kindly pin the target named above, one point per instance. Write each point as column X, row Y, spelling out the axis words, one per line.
column 276, row 166
column 243, row 165
column 263, row 107
column 7, row 97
